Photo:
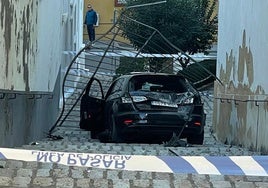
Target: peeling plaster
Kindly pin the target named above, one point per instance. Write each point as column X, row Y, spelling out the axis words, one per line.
column 7, row 11
column 232, row 119
column 224, row 129
column 26, row 34
column 19, row 29
column 7, row 120
column 243, row 76
column 245, row 63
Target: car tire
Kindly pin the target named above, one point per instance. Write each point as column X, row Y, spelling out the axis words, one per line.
column 114, row 131
column 196, row 139
column 94, row 134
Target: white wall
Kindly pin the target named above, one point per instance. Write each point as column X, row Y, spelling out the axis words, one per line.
column 242, row 66
column 33, row 37
column 36, row 33
column 249, row 16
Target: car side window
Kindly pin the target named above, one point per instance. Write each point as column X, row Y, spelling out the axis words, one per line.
column 117, row 86
column 96, row 90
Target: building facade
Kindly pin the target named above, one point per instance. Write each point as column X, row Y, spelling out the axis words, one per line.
column 241, row 103
column 108, row 11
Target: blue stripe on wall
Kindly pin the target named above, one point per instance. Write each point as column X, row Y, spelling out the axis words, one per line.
column 178, row 164
column 225, row 165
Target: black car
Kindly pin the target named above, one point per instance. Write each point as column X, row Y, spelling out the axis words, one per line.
column 150, row 106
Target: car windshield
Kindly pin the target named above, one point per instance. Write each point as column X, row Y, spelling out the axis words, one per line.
column 158, row 83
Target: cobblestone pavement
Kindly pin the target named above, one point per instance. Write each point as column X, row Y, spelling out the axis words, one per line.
column 15, row 173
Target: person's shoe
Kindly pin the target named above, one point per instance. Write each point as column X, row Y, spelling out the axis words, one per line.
column 87, row 43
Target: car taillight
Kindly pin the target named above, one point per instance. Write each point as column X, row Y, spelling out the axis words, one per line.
column 197, row 123
column 139, row 98
column 126, row 100
column 128, row 121
column 134, row 99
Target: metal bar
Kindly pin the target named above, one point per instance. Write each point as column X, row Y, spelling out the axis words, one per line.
column 146, row 4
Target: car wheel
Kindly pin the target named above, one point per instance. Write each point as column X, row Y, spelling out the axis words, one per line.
column 196, row 138
column 94, row 134
column 114, row 131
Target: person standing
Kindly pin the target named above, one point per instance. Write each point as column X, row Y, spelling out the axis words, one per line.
column 91, row 19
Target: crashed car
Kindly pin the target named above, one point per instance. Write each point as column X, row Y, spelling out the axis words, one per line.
column 151, row 106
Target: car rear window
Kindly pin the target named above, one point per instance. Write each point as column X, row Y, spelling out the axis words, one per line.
column 158, row 83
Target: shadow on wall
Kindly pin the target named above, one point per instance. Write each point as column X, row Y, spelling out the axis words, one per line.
column 26, row 117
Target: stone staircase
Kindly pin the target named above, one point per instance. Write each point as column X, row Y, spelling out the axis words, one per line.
column 101, row 60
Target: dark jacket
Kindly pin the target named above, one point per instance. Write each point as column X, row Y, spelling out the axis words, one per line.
column 91, row 18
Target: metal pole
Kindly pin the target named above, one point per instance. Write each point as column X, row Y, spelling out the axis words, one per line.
column 146, row 4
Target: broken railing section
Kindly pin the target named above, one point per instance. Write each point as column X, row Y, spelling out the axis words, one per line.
column 103, row 60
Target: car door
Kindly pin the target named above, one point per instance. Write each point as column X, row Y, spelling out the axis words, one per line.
column 113, row 95
column 92, row 107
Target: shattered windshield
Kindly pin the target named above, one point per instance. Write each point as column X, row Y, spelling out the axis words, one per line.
column 167, row 89
column 155, row 83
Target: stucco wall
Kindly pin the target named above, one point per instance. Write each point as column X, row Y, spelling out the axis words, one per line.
column 33, row 37
column 18, row 27
column 241, row 107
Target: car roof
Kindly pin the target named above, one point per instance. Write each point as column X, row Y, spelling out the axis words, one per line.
column 133, row 74
column 138, row 74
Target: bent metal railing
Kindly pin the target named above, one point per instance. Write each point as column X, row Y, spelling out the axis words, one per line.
column 109, row 56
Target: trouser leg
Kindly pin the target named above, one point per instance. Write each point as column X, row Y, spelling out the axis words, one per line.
column 91, row 32
column 88, row 32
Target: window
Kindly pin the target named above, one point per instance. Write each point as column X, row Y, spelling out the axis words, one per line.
column 117, row 86
column 119, row 3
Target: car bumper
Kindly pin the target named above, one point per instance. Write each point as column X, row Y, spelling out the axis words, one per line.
column 158, row 124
